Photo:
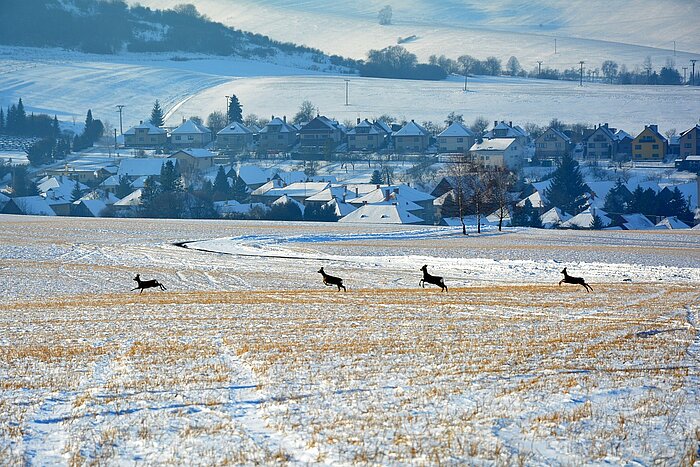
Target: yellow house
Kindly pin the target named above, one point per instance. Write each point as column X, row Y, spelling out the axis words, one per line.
column 649, row 145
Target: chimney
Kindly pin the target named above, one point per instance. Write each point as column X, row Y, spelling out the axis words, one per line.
column 358, row 120
column 510, row 124
column 140, row 122
column 184, row 119
column 605, row 124
column 387, row 195
column 357, row 192
column 654, row 127
column 284, row 118
column 364, row 203
column 396, row 190
column 378, row 187
column 495, row 122
column 272, row 117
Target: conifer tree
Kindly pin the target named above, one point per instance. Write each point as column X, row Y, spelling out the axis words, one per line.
column 235, row 110
column 170, row 178
column 221, row 188
column 617, row 200
column 376, row 178
column 596, row 223
column 77, row 193
column 2, row 121
column 124, row 188
column 157, row 115
column 567, row 188
column 55, row 128
column 239, row 190
column 21, row 118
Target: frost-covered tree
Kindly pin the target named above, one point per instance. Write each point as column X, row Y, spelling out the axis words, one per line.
column 376, row 178
column 384, row 15
column 307, row 112
column 513, row 66
column 216, row 121
column 479, row 126
column 77, row 193
column 609, row 68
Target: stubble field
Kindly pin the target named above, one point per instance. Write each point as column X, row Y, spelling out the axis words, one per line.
column 248, row 359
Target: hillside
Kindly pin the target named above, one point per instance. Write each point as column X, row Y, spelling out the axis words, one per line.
column 111, row 27
column 592, row 31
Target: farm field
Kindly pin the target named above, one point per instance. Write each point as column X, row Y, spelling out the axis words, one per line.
column 247, row 357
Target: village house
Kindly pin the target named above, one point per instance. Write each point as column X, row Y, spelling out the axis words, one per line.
column 320, row 136
column 277, row 136
column 649, row 145
column 600, row 144
column 405, row 197
column 690, row 142
column 190, row 134
column 194, row 160
column 502, row 153
column 145, row 135
column 235, row 137
column 508, row 130
column 367, row 136
column 381, row 214
column 552, row 144
column 455, row 138
column 411, row 138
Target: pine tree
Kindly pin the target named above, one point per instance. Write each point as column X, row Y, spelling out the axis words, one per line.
column 124, row 188
column 88, row 123
column 11, row 120
column 617, row 200
column 221, row 188
column 678, row 206
column 157, row 115
column 235, row 110
column 239, row 190
column 77, row 193
column 567, row 188
column 2, row 121
column 596, row 223
column 170, row 178
column 21, row 118
column 55, row 128
column 376, row 178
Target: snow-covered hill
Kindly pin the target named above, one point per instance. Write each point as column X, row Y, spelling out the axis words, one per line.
column 593, row 31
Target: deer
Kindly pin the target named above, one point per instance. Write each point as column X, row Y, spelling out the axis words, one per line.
column 574, row 280
column 147, row 284
column 430, row 279
column 330, row 281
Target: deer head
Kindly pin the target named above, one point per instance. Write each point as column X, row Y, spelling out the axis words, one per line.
column 138, row 277
column 320, row 271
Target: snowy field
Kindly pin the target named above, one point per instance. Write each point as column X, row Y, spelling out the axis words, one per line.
column 247, row 358
column 68, row 83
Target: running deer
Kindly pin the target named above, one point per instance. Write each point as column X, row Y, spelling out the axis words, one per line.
column 574, row 280
column 431, row 279
column 332, row 280
column 146, row 284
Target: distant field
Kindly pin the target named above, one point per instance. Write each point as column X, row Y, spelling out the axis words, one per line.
column 250, row 359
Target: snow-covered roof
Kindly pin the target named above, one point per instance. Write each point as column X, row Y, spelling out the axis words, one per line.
column 366, row 128
column 152, row 129
column 384, row 195
column 252, row 174
column 33, row 205
column 285, row 199
column 537, row 199
column 599, row 190
column 284, row 127
column 94, row 206
column 412, row 129
column 341, row 209
column 292, row 177
column 672, row 223
column 112, row 181
column 270, row 185
column 132, row 199
column 381, row 214
column 495, row 144
column 622, row 134
column 585, row 219
column 337, row 192
column 190, row 127
column 138, row 167
column 636, row 222
column 299, row 189
column 235, row 128
column 59, row 189
column 197, row 153
column 456, row 129
column 554, row 218
column 234, row 207
column 510, row 131
column 107, row 198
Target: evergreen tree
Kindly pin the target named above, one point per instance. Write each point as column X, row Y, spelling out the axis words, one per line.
column 617, row 200
column 21, row 118
column 124, row 188
column 376, row 178
column 77, row 193
column 678, row 206
column 170, row 178
column 567, row 188
column 221, row 189
column 235, row 110
column 11, row 120
column 527, row 216
column 88, row 123
column 596, row 223
column 55, row 128
column 239, row 190
column 2, row 121
column 157, row 115
column 21, row 184
column 644, row 201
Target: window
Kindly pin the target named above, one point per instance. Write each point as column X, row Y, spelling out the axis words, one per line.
column 688, row 145
column 655, row 146
column 459, row 140
column 637, row 146
column 177, row 138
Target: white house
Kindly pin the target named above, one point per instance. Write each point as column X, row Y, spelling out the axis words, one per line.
column 191, row 134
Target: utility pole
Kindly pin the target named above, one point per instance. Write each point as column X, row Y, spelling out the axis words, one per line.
column 685, row 68
column 539, row 68
column 347, row 91
column 555, row 46
column 580, row 82
column 120, row 107
column 115, row 139
column 674, row 48
column 692, row 74
column 465, row 81
column 227, row 104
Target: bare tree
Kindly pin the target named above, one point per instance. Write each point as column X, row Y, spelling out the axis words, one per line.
column 458, row 171
column 216, row 121
column 610, row 69
column 478, row 191
column 384, row 15
column 501, row 182
column 479, row 126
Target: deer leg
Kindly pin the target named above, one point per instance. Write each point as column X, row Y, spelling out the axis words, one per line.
column 135, row 288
